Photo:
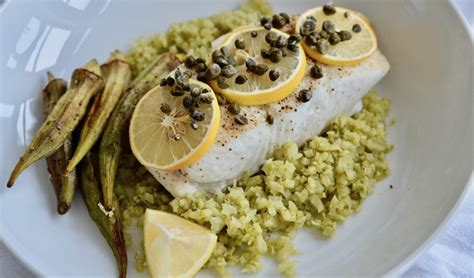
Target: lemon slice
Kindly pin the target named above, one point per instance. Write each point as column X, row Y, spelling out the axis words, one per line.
column 167, row 134
column 258, row 77
column 360, row 46
column 175, row 247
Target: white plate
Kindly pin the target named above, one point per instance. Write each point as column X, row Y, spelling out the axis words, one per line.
column 430, row 85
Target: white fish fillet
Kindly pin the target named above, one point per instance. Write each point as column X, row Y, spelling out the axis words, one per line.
column 244, row 148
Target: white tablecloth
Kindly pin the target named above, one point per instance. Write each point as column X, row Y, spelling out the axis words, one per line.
column 452, row 255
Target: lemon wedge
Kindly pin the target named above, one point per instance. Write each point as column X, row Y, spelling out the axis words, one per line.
column 348, row 38
column 262, row 68
column 175, row 247
column 174, row 125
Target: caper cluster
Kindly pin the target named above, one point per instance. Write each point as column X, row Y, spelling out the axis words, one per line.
column 234, row 108
column 277, row 21
column 221, row 69
column 328, row 35
column 194, row 96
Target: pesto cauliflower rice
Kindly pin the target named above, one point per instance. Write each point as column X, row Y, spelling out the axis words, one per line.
column 315, row 185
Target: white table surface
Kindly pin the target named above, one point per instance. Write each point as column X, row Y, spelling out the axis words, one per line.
column 452, row 255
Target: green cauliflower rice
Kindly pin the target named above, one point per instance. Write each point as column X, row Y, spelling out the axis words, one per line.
column 194, row 37
column 316, row 185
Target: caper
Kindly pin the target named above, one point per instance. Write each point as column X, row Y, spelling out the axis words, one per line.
column 206, row 99
column 201, row 67
column 240, row 43
column 310, row 24
column 270, row 119
column 177, row 74
column 197, row 115
column 286, row 17
column 250, row 64
column 183, row 83
column 195, row 92
column 200, row 60
column 205, row 91
column 234, row 108
column 241, row 120
column 213, row 71
column 281, row 42
column 312, row 38
column 274, row 74
column 267, row 26
column 324, row 35
column 316, row 72
column 225, row 51
column 188, row 101
column 181, row 80
column 304, row 31
column 356, row 28
column 270, row 37
column 274, row 42
column 275, row 55
column 264, row 20
column 294, row 39
column 329, row 9
column 311, row 17
column 221, row 99
column 190, row 61
column 240, row 79
column 346, row 14
column 292, row 47
column 216, row 55
column 322, row 46
column 265, row 53
column 278, row 21
column 328, row 26
column 201, row 76
column 305, row 95
column 334, row 39
column 222, row 83
column 222, row 62
column 228, row 71
column 165, row 108
column 170, row 80
column 176, row 92
column 194, row 125
column 260, row 69
column 254, row 34
column 163, row 82
column 345, row 35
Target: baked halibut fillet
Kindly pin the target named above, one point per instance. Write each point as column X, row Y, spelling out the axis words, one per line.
column 242, row 148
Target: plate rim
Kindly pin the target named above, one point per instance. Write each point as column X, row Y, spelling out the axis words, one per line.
column 395, row 271
column 406, row 263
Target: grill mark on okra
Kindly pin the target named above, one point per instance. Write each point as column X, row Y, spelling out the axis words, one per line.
column 64, row 118
column 112, row 139
column 56, row 163
column 110, row 227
